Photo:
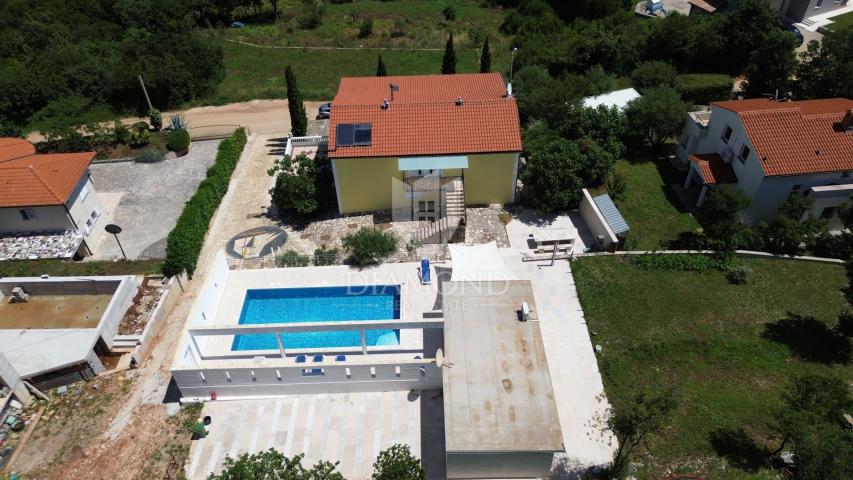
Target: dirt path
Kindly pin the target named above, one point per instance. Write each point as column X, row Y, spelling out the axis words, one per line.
column 267, row 117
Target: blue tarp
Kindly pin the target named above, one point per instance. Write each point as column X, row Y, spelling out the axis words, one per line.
column 611, row 214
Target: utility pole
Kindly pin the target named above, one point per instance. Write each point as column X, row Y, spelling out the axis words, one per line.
column 142, row 84
column 511, row 58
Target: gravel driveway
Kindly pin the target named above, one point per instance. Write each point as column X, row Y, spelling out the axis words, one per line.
column 145, row 199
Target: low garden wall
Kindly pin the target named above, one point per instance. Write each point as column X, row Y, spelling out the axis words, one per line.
column 154, row 328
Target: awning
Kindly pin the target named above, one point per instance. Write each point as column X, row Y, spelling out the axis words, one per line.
column 432, row 163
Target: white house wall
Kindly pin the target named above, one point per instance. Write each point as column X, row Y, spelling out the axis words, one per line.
column 775, row 190
column 81, row 208
column 204, row 310
column 121, row 301
column 50, row 218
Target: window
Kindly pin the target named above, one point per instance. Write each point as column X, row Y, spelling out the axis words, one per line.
column 348, row 134
column 845, row 174
column 818, row 4
column 795, row 189
column 93, row 217
column 744, row 154
column 426, row 206
column 27, row 214
column 727, row 134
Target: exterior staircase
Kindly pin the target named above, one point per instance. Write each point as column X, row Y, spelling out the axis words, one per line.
column 450, row 226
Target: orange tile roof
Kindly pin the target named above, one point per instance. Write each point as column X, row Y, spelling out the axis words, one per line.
column 15, row 147
column 39, row 180
column 797, row 138
column 424, row 119
column 714, row 169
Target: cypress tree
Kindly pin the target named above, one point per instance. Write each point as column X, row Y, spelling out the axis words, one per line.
column 486, row 58
column 448, row 64
column 298, row 117
column 380, row 68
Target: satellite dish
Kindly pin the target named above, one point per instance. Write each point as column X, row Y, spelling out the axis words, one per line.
column 439, row 358
column 113, row 228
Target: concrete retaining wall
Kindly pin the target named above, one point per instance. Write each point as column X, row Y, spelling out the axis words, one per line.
column 121, row 301
column 269, row 380
column 157, row 323
column 596, row 223
column 10, row 378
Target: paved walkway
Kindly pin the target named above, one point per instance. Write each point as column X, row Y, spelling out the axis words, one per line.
column 350, row 428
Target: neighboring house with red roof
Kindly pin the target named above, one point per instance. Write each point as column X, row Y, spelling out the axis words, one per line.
column 424, row 147
column 47, row 195
column 772, row 149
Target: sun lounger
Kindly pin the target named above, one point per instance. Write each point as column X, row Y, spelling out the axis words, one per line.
column 318, row 358
column 423, row 272
column 300, row 359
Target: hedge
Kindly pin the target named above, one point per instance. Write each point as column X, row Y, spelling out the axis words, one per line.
column 704, row 88
column 184, row 243
column 682, row 262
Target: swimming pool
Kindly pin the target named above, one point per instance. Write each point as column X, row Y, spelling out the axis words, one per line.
column 319, row 304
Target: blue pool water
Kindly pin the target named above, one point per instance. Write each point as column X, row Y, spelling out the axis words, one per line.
column 319, row 304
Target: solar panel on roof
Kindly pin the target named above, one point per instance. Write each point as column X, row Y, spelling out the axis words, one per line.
column 362, row 134
column 344, row 135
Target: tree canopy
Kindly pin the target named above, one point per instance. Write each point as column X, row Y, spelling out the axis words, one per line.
column 720, row 217
column 448, row 63
column 63, row 61
column 397, row 463
column 656, row 116
column 298, row 117
column 827, row 67
column 272, row 464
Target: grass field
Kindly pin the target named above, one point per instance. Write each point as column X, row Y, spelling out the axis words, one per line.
column 842, row 21
column 401, row 30
column 62, row 268
column 648, row 207
column 710, row 339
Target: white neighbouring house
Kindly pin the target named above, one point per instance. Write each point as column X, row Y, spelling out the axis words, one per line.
column 48, row 204
column 770, row 150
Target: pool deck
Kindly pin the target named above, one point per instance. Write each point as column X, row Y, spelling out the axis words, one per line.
column 415, row 300
column 351, row 428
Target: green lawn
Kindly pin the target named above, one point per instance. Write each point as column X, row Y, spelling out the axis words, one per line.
column 706, row 336
column 403, row 26
column 63, row 268
column 842, row 21
column 648, row 206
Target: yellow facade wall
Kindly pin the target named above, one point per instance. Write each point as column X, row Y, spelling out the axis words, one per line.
column 489, row 178
column 367, row 184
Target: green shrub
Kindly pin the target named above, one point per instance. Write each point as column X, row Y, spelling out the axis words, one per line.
column 397, row 463
column 738, row 275
column 139, row 135
column 178, row 141
column 449, row 13
column 704, row 88
column 152, row 155
column 178, row 122
column 292, row 258
column 366, row 28
column 369, row 246
column 121, row 134
column 185, row 241
column 156, row 119
column 311, row 15
column 616, row 186
column 682, row 262
column 324, row 256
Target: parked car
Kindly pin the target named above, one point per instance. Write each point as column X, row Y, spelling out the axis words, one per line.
column 325, row 110
column 789, row 27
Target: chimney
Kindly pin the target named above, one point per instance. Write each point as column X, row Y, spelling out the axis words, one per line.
column 395, row 87
column 385, row 104
column 459, row 101
column 509, row 89
column 847, row 121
